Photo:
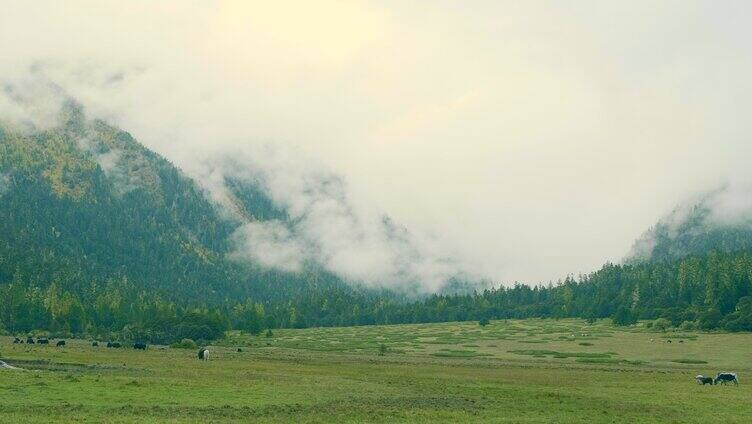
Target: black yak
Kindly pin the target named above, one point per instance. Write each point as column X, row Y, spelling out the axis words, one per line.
column 701, row 379
column 726, row 377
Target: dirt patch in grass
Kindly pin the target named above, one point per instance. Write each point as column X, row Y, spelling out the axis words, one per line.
column 607, row 361
column 561, row 355
column 679, row 336
column 689, row 361
column 448, row 353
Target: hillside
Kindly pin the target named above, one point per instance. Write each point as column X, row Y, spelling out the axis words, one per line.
column 719, row 220
column 98, row 233
column 87, row 199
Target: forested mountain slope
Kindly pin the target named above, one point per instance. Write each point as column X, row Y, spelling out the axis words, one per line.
column 693, row 268
column 97, row 233
column 87, row 199
column 707, row 291
column 720, row 220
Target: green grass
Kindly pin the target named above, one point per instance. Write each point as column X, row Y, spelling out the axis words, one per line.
column 449, row 372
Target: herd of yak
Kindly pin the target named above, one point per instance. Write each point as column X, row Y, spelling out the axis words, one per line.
column 720, row 378
column 41, row 340
column 203, row 353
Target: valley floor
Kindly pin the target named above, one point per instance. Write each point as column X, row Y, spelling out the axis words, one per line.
column 531, row 371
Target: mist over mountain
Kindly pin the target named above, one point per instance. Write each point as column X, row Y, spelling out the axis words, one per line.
column 256, row 162
column 527, row 159
column 99, row 235
column 718, row 220
column 86, row 198
column 272, row 210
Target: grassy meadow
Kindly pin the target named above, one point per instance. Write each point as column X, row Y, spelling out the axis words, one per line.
column 513, row 371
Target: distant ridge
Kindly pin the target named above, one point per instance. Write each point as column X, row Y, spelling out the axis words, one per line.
column 720, row 220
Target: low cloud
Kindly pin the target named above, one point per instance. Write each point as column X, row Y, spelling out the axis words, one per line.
column 110, row 160
column 30, row 103
column 529, row 158
column 326, row 226
column 270, row 244
column 728, row 206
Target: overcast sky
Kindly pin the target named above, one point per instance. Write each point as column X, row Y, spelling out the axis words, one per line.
column 528, row 140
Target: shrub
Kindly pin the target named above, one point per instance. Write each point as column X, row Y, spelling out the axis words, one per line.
column 710, row 319
column 741, row 318
column 734, row 323
column 624, row 316
column 184, row 344
column 674, row 315
column 483, row 322
column 661, row 324
column 382, row 349
column 688, row 325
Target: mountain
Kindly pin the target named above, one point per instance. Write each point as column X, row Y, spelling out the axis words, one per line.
column 720, row 220
column 101, row 237
column 87, row 199
column 692, row 270
column 98, row 233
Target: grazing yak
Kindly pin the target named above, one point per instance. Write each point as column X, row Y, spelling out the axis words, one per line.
column 701, row 379
column 43, row 341
column 113, row 344
column 94, row 344
column 726, row 377
column 29, row 340
column 16, row 340
column 203, row 354
column 139, row 345
column 60, row 343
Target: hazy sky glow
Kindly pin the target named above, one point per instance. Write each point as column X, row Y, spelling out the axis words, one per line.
column 527, row 140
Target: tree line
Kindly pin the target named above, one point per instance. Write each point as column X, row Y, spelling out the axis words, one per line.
column 707, row 292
